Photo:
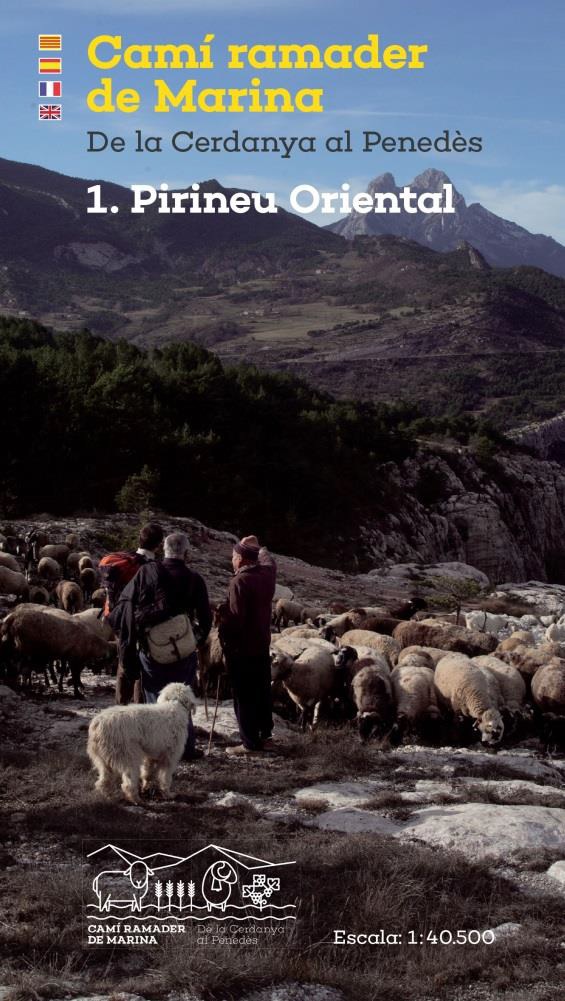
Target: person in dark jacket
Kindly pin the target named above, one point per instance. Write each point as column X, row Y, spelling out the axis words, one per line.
column 245, row 634
column 128, row 684
column 183, row 591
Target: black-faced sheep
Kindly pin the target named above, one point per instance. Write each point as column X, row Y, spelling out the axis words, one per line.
column 471, row 693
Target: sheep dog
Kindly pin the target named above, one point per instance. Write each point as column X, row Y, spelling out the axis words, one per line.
column 129, row 743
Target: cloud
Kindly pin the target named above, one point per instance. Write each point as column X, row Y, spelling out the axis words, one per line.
column 539, row 208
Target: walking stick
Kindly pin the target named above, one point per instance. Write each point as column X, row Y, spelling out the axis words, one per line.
column 215, row 714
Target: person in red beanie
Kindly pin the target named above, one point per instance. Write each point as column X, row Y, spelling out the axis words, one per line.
column 245, row 634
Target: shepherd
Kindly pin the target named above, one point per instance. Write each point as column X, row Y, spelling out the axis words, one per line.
column 245, row 634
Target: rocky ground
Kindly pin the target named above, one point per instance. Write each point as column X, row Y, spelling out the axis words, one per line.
column 503, row 812
column 411, row 838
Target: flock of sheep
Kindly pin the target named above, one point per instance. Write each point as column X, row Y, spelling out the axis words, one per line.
column 51, row 631
column 400, row 672
column 423, row 678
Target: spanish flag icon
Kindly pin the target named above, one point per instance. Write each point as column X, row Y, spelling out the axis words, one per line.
column 54, row 43
column 50, row 65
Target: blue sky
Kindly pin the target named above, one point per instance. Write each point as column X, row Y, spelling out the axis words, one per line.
column 494, row 70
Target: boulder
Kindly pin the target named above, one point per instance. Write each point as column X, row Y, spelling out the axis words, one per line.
column 487, row 830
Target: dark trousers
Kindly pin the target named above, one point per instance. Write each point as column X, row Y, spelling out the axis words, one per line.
column 127, row 689
column 251, row 683
column 155, row 676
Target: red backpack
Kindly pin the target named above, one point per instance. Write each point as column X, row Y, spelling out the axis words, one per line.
column 116, row 570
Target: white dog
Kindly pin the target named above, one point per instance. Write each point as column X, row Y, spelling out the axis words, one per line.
column 140, row 741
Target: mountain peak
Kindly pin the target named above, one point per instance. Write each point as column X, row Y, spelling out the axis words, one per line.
column 433, row 180
column 384, row 182
column 489, row 239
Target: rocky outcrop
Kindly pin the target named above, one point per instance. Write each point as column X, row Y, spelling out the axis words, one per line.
column 545, row 438
column 504, row 520
column 506, row 517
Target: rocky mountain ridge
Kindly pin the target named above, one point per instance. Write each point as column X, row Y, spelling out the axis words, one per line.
column 440, row 506
column 501, row 242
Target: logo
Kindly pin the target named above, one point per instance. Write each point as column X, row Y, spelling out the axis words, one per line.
column 141, row 897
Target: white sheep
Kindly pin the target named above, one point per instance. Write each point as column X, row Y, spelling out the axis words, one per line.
column 418, row 656
column 308, row 679
column 470, row 692
column 374, row 701
column 386, row 645
column 512, row 685
column 134, row 742
column 486, row 622
column 415, row 696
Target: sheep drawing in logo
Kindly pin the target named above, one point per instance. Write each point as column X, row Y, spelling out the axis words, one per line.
column 122, row 887
column 217, row 884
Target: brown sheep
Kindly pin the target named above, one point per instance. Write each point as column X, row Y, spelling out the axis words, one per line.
column 9, row 561
column 55, row 552
column 39, row 633
column 48, row 569
column 457, row 639
column 99, row 598
column 69, row 596
column 529, row 659
column 13, row 583
column 548, row 687
column 88, row 580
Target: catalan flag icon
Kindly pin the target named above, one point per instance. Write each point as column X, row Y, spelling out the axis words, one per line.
column 50, row 65
column 50, row 88
column 50, row 112
column 53, row 43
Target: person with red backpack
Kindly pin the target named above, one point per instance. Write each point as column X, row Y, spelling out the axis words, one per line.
column 116, row 570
